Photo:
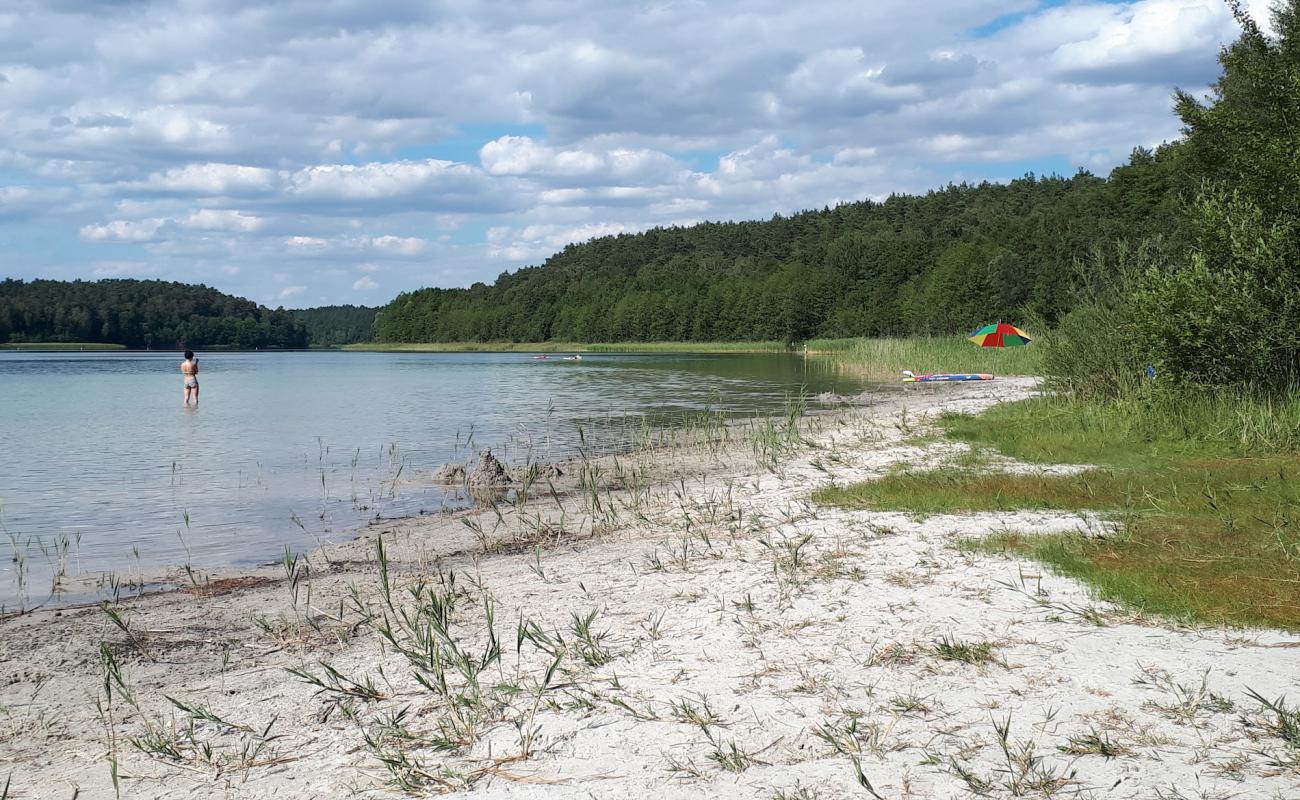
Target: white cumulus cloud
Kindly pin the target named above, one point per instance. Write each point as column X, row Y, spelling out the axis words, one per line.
column 211, row 179
column 123, row 230
column 440, row 142
column 213, row 219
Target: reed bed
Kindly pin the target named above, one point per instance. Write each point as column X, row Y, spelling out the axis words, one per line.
column 885, row 359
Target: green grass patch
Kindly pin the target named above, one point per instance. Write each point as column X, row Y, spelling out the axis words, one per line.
column 572, row 347
column 956, row 490
column 1146, row 428
column 885, row 359
column 60, row 346
column 951, row 649
column 1204, row 495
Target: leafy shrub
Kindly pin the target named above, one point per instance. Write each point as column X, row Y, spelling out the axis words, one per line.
column 1095, row 352
column 1230, row 314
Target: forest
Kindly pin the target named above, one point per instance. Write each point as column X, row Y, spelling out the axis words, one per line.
column 141, row 314
column 332, row 326
column 939, row 263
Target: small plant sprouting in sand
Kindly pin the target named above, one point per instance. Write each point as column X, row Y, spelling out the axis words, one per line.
column 797, row 792
column 1022, row 772
column 851, row 736
column 536, row 565
column 701, row 716
column 773, row 438
column 788, row 557
column 653, row 562
column 975, row 782
column 654, row 626
column 729, row 756
column 953, row 649
column 683, row 766
column 907, row 704
column 591, row 647
column 1093, row 743
column 202, row 740
column 1025, row 771
column 1278, row 719
column 408, row 774
column 1187, row 701
column 892, row 654
column 385, row 737
column 1040, row 596
column 526, row 723
column 337, row 687
column 646, row 714
column 296, row 570
column 123, row 623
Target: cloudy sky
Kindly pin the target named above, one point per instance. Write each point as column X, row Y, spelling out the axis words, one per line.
column 305, row 152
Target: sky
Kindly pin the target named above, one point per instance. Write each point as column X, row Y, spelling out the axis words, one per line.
column 311, row 152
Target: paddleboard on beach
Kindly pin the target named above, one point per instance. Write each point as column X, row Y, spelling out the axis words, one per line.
column 909, row 377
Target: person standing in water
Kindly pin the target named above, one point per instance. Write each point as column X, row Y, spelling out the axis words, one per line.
column 190, row 373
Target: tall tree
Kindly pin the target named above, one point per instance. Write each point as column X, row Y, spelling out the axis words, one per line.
column 1230, row 313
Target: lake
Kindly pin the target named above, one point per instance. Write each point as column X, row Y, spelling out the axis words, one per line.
column 103, row 472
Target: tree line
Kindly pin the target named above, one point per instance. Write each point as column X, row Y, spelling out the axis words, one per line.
column 141, row 314
column 942, row 262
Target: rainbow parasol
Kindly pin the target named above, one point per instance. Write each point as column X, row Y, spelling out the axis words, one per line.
column 1000, row 335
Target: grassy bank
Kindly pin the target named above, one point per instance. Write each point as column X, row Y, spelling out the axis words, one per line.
column 60, row 346
column 884, row 359
column 572, row 347
column 1203, row 493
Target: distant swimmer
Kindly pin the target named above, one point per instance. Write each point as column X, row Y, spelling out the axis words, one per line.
column 190, row 372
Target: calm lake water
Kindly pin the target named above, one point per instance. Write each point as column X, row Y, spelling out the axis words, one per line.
column 102, row 471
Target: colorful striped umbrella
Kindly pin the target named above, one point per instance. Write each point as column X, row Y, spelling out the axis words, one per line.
column 1000, row 335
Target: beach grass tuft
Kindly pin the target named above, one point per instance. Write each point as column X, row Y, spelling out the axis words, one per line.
column 953, row 649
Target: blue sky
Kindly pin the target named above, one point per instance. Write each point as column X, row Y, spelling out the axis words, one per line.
column 303, row 153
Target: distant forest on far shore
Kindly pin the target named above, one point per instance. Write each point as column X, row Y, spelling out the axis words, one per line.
column 141, row 314
column 332, row 326
column 167, row 314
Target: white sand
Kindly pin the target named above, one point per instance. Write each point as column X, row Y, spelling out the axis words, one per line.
column 697, row 588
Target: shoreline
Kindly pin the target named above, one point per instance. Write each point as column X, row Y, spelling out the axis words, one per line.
column 683, row 348
column 741, row 642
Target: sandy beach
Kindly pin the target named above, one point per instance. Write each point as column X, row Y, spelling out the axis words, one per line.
column 680, row 621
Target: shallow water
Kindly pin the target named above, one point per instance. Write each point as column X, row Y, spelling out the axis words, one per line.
column 102, row 471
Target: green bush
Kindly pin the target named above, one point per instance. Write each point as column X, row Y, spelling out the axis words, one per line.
column 1230, row 314
column 1095, row 352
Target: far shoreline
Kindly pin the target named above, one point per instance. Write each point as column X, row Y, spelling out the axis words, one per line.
column 61, row 346
column 571, row 347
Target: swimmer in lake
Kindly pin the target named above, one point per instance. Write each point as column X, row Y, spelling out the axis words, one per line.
column 190, row 373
